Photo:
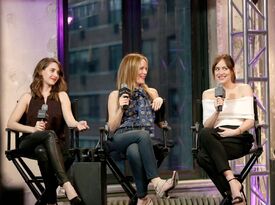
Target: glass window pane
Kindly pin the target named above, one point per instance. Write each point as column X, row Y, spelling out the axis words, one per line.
column 95, row 50
column 166, row 41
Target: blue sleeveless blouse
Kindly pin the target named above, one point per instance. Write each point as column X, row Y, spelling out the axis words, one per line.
column 139, row 113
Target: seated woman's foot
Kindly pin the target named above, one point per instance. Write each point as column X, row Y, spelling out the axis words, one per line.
column 238, row 200
column 237, row 192
column 145, row 201
column 76, row 201
column 71, row 194
column 164, row 186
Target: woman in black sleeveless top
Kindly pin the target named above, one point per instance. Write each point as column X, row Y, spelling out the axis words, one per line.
column 47, row 108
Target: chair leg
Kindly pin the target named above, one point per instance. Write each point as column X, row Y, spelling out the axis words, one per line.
column 133, row 201
column 41, row 200
column 126, row 185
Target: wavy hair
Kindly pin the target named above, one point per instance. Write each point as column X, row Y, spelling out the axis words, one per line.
column 37, row 83
column 128, row 71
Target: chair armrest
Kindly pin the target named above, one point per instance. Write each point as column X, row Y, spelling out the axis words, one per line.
column 16, row 136
column 165, row 128
column 164, row 125
column 74, row 135
column 258, row 129
column 195, row 134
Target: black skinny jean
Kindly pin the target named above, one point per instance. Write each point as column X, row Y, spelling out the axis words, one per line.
column 215, row 151
column 44, row 146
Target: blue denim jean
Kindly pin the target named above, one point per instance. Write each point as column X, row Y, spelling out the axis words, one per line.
column 138, row 147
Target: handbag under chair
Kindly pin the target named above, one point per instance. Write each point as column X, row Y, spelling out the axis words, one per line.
column 106, row 152
column 14, row 154
column 253, row 154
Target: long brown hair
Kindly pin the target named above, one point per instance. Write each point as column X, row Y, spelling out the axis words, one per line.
column 229, row 62
column 37, row 82
column 128, row 71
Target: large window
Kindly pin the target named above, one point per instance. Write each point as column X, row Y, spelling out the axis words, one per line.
column 96, row 47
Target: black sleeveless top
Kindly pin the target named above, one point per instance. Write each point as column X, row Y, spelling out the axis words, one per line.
column 55, row 120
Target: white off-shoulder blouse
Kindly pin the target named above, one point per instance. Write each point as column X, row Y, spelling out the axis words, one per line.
column 234, row 111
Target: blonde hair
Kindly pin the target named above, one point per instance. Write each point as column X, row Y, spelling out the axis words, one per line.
column 128, row 71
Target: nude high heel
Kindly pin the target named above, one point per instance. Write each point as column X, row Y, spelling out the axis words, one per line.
column 71, row 194
column 164, row 186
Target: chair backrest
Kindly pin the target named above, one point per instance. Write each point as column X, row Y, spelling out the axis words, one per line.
column 257, row 127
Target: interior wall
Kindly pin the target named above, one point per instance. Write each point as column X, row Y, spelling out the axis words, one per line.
column 27, row 33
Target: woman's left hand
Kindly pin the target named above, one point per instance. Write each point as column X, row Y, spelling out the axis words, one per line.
column 157, row 102
column 227, row 132
column 82, row 125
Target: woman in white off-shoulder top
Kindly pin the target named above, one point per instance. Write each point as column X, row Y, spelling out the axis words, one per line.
column 225, row 134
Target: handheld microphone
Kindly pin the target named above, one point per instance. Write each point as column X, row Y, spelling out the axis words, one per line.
column 219, row 92
column 42, row 113
column 124, row 90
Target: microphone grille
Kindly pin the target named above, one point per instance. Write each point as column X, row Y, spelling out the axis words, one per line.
column 44, row 107
column 123, row 85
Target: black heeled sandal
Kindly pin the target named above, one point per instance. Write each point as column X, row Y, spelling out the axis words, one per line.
column 241, row 198
column 76, row 201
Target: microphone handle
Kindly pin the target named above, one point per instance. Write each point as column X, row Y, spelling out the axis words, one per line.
column 219, row 109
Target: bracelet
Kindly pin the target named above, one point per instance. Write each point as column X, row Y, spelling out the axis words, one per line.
column 240, row 130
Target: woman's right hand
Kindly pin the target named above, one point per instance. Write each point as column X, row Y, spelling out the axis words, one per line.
column 40, row 126
column 123, row 100
column 218, row 102
column 82, row 125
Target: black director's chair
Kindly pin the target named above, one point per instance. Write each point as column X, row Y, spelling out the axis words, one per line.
column 14, row 154
column 253, row 154
column 105, row 152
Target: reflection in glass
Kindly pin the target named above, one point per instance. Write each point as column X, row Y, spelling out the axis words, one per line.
column 166, row 37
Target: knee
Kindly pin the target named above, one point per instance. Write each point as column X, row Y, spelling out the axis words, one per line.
column 52, row 135
column 205, row 135
column 203, row 160
column 144, row 135
column 41, row 153
column 132, row 151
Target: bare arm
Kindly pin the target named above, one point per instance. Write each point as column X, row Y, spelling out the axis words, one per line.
column 20, row 108
column 68, row 115
column 210, row 122
column 157, row 101
column 115, row 111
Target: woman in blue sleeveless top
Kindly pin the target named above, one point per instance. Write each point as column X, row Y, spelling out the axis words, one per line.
column 131, row 120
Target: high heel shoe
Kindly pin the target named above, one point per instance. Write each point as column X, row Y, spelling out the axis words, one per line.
column 164, row 186
column 145, row 201
column 238, row 199
column 76, row 201
column 71, row 194
column 149, row 201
